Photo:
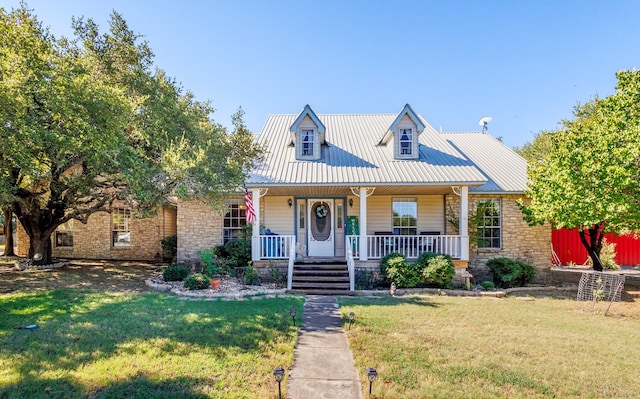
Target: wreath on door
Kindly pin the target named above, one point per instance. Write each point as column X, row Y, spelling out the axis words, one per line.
column 322, row 211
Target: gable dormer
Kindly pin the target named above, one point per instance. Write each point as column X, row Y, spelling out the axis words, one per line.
column 307, row 135
column 404, row 131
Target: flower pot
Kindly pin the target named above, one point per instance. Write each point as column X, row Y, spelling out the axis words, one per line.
column 215, row 282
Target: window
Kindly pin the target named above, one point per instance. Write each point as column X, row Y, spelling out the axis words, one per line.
column 339, row 215
column 301, row 212
column 64, row 235
column 489, row 226
column 234, row 221
column 121, row 235
column 307, row 138
column 406, row 142
column 405, row 216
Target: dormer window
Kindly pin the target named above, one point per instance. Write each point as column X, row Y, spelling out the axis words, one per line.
column 307, row 135
column 307, row 138
column 406, row 142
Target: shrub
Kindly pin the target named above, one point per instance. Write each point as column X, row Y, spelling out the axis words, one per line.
column 251, row 276
column 488, row 285
column 175, row 273
column 439, row 271
column 278, row 278
column 607, row 256
column 213, row 264
column 369, row 280
column 405, row 275
column 196, row 281
column 169, row 245
column 384, row 262
column 238, row 251
column 509, row 273
column 424, row 257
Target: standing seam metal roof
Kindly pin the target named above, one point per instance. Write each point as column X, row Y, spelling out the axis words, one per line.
column 352, row 156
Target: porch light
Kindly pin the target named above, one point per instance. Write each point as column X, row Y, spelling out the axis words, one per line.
column 350, row 202
column 292, row 313
column 290, row 202
column 372, row 375
column 351, row 317
column 278, row 374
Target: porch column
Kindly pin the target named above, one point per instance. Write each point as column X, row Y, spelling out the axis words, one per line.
column 255, row 231
column 363, row 224
column 464, row 223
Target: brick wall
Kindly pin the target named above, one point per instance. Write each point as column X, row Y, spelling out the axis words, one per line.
column 519, row 240
column 93, row 240
column 199, row 227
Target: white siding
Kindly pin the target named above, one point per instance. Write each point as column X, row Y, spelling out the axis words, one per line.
column 378, row 214
column 431, row 213
column 278, row 216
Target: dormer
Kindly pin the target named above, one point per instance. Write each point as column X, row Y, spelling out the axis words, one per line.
column 307, row 135
column 404, row 131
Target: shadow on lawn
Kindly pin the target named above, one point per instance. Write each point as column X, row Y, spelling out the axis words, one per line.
column 78, row 328
column 389, row 300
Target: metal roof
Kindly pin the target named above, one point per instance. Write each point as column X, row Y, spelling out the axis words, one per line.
column 352, row 156
column 505, row 170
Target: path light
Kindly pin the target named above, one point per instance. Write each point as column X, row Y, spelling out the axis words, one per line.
column 278, row 374
column 292, row 313
column 372, row 375
column 351, row 316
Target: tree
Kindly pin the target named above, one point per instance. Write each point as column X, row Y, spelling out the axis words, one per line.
column 590, row 179
column 537, row 149
column 86, row 122
column 7, row 225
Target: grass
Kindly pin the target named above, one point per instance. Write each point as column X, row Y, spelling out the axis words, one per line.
column 98, row 344
column 452, row 347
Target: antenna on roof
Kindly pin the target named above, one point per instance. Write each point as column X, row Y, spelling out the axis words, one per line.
column 484, row 122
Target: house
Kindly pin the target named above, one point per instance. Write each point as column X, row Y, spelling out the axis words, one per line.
column 347, row 190
column 353, row 188
column 118, row 235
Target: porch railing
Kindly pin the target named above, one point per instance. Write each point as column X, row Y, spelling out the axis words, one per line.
column 411, row 246
column 276, row 247
column 351, row 266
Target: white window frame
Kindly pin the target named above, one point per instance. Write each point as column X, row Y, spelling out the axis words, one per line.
column 234, row 220
column 64, row 232
column 407, row 144
column 404, row 227
column 490, row 226
column 120, row 228
column 307, row 145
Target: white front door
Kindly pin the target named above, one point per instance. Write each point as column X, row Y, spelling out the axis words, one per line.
column 320, row 231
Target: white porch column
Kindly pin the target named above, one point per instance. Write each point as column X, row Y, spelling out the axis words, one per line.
column 464, row 223
column 363, row 224
column 255, row 231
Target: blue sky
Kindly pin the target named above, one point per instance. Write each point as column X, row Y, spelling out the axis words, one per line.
column 524, row 63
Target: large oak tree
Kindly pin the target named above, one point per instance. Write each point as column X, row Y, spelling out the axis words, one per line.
column 590, row 178
column 87, row 121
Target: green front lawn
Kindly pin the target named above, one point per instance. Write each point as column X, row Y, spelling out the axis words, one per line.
column 107, row 345
column 453, row 347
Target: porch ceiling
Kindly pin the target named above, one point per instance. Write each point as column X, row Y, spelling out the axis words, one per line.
column 345, row 191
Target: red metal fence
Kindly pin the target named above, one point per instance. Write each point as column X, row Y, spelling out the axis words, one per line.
column 568, row 247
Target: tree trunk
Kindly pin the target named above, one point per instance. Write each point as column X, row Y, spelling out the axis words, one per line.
column 39, row 234
column 8, row 233
column 594, row 244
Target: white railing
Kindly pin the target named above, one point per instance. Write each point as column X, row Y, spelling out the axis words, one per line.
column 292, row 258
column 379, row 246
column 351, row 265
column 275, row 247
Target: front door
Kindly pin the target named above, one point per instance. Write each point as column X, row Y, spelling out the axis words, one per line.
column 320, row 231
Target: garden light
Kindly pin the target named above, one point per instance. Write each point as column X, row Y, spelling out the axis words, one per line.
column 372, row 375
column 351, row 317
column 292, row 313
column 278, row 374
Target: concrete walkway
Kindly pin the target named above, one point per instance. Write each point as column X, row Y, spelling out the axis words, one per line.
column 323, row 365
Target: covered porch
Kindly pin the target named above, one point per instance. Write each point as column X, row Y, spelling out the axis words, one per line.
column 356, row 224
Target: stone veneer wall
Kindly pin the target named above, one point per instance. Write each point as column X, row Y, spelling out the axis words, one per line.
column 93, row 239
column 199, row 227
column 519, row 240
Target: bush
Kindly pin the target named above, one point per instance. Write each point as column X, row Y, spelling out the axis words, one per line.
column 238, row 251
column 607, row 256
column 169, row 245
column 405, row 275
column 277, row 276
column 175, row 273
column 488, row 285
column 439, row 271
column 509, row 273
column 196, row 281
column 251, row 276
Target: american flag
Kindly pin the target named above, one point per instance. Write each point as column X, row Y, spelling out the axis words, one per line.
column 251, row 213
